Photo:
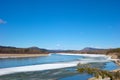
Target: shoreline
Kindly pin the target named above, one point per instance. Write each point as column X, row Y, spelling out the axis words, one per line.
column 116, row 60
column 107, row 78
column 21, row 55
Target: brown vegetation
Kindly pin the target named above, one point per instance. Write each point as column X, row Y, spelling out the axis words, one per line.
column 98, row 73
column 115, row 53
column 14, row 50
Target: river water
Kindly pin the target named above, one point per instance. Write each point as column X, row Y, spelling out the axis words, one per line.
column 36, row 68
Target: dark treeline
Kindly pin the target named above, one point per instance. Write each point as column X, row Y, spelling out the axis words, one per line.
column 21, row 50
column 117, row 50
column 114, row 51
column 36, row 50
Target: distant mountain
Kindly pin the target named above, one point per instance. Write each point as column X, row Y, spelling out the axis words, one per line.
column 85, row 50
column 34, row 47
column 90, row 48
column 37, row 50
column 31, row 50
column 60, row 51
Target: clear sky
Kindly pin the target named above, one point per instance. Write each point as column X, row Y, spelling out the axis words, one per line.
column 60, row 24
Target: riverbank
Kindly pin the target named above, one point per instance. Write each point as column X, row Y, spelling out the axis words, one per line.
column 116, row 60
column 106, row 78
column 21, row 55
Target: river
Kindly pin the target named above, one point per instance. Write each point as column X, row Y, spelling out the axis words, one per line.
column 52, row 67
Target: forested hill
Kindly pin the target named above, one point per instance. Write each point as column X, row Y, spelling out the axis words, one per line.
column 36, row 50
column 15, row 50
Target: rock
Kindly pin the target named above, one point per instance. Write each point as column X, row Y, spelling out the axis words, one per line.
column 117, row 62
column 99, row 78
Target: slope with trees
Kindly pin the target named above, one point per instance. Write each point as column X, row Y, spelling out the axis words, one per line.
column 14, row 50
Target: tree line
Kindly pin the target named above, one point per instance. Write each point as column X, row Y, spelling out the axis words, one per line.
column 21, row 50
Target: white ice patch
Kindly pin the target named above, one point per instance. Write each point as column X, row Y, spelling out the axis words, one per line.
column 37, row 67
column 90, row 55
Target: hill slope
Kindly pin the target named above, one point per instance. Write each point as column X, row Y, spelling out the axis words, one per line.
column 14, row 50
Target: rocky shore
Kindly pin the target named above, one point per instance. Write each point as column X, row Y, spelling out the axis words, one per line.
column 116, row 59
column 106, row 78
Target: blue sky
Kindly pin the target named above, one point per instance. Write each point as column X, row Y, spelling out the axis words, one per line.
column 60, row 24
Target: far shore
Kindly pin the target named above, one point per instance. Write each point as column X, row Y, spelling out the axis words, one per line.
column 20, row 55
